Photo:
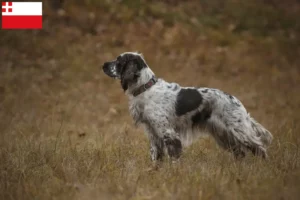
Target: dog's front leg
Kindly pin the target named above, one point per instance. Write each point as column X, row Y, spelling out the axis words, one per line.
column 164, row 136
column 173, row 144
column 156, row 148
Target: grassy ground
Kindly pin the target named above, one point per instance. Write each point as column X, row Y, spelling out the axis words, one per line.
column 65, row 128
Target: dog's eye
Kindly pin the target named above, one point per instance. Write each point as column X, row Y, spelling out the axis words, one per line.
column 118, row 63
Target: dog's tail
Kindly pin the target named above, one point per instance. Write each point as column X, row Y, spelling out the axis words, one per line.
column 265, row 136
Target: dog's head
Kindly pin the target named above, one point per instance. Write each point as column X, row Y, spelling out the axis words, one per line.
column 127, row 67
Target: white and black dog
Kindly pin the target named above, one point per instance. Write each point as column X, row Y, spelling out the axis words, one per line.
column 171, row 114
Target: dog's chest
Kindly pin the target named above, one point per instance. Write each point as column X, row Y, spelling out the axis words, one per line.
column 155, row 105
column 145, row 107
column 136, row 109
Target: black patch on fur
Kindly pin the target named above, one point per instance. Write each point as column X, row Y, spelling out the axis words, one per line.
column 187, row 100
column 131, row 65
column 205, row 91
column 200, row 118
column 124, row 81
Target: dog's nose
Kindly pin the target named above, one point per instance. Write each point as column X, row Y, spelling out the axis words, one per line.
column 105, row 66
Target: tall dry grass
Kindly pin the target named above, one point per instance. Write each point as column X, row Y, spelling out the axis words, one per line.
column 65, row 128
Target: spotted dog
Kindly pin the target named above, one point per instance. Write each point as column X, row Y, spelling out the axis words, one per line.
column 173, row 116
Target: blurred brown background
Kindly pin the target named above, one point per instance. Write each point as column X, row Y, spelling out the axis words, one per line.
column 65, row 128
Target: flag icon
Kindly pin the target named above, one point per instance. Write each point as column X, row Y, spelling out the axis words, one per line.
column 22, row 15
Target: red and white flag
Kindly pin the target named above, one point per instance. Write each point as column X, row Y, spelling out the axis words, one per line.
column 22, row 15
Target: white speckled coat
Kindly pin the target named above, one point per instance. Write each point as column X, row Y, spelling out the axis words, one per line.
column 173, row 115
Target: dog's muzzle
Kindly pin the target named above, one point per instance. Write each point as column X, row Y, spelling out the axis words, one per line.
column 110, row 69
column 106, row 68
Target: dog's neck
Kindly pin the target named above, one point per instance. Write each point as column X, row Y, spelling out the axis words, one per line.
column 146, row 75
column 144, row 87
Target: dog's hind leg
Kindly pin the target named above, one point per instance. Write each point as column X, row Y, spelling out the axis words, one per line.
column 236, row 138
column 238, row 153
column 258, row 151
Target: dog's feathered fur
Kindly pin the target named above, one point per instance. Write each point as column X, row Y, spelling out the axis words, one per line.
column 173, row 115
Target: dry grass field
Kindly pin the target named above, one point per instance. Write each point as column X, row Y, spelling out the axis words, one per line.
column 65, row 130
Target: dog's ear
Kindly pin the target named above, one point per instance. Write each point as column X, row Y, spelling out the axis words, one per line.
column 139, row 60
column 130, row 73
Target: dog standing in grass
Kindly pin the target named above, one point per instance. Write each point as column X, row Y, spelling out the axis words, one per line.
column 172, row 115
